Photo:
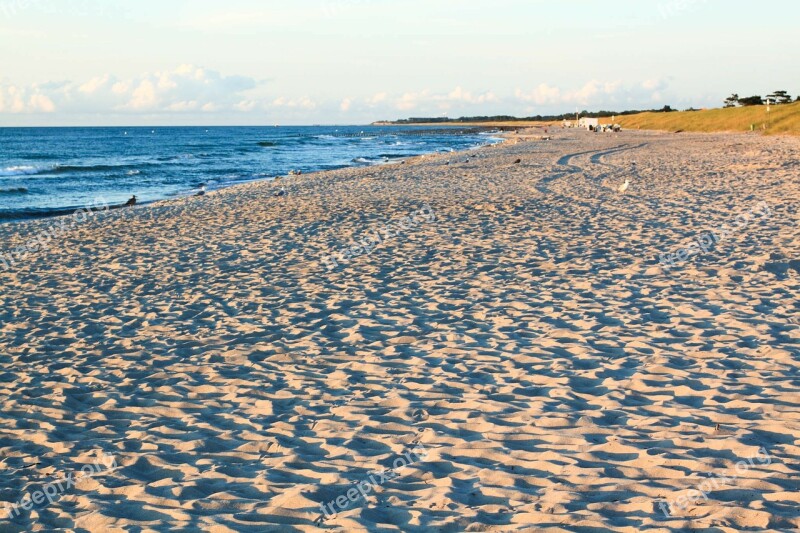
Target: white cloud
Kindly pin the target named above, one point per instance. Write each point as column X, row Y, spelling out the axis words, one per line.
column 120, row 88
column 245, row 105
column 95, row 84
column 31, row 99
column 541, row 95
column 191, row 90
column 654, row 84
column 188, row 87
column 410, row 100
column 460, row 95
column 377, row 99
column 42, row 103
column 595, row 93
column 185, row 89
column 182, row 107
column 144, row 97
column 303, row 102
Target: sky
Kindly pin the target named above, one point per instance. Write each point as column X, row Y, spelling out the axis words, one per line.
column 265, row 62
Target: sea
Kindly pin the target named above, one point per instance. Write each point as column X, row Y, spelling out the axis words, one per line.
column 54, row 171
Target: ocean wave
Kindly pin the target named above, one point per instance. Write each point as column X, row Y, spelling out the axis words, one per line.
column 91, row 165
column 14, row 190
column 379, row 159
column 33, row 213
column 22, row 170
column 63, row 169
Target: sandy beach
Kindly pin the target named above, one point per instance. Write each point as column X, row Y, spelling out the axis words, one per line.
column 461, row 342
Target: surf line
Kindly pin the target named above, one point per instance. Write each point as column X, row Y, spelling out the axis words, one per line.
column 58, row 230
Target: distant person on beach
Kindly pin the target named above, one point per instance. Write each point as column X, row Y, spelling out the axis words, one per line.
column 131, row 202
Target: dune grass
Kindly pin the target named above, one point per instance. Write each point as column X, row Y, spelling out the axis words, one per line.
column 783, row 119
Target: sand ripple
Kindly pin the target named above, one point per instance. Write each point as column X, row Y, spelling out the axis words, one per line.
column 557, row 376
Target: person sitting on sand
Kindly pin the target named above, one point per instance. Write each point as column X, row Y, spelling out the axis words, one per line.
column 131, row 202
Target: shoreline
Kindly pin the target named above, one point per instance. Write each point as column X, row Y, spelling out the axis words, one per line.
column 511, row 355
column 54, row 213
column 43, row 236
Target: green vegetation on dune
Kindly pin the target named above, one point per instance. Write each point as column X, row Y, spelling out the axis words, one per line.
column 782, row 119
column 739, row 115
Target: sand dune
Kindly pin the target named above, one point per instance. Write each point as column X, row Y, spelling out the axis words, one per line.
column 558, row 375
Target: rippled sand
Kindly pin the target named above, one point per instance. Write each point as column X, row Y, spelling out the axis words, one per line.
column 524, row 335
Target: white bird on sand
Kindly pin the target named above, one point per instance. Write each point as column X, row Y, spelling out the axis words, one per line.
column 624, row 186
column 281, row 192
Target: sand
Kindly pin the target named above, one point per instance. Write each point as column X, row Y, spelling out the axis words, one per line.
column 518, row 342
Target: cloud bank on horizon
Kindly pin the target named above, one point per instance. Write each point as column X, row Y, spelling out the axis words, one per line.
column 192, row 90
column 87, row 62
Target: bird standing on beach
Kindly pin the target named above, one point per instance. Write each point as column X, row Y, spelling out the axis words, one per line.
column 281, row 192
column 624, row 186
column 131, row 202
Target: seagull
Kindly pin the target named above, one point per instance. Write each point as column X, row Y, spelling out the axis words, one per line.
column 202, row 191
column 624, row 186
column 281, row 192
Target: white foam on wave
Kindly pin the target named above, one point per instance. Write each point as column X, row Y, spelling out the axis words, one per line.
column 21, row 170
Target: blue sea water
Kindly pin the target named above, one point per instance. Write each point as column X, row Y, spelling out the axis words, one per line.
column 47, row 171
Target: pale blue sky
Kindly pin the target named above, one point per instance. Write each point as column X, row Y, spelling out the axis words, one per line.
column 126, row 62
